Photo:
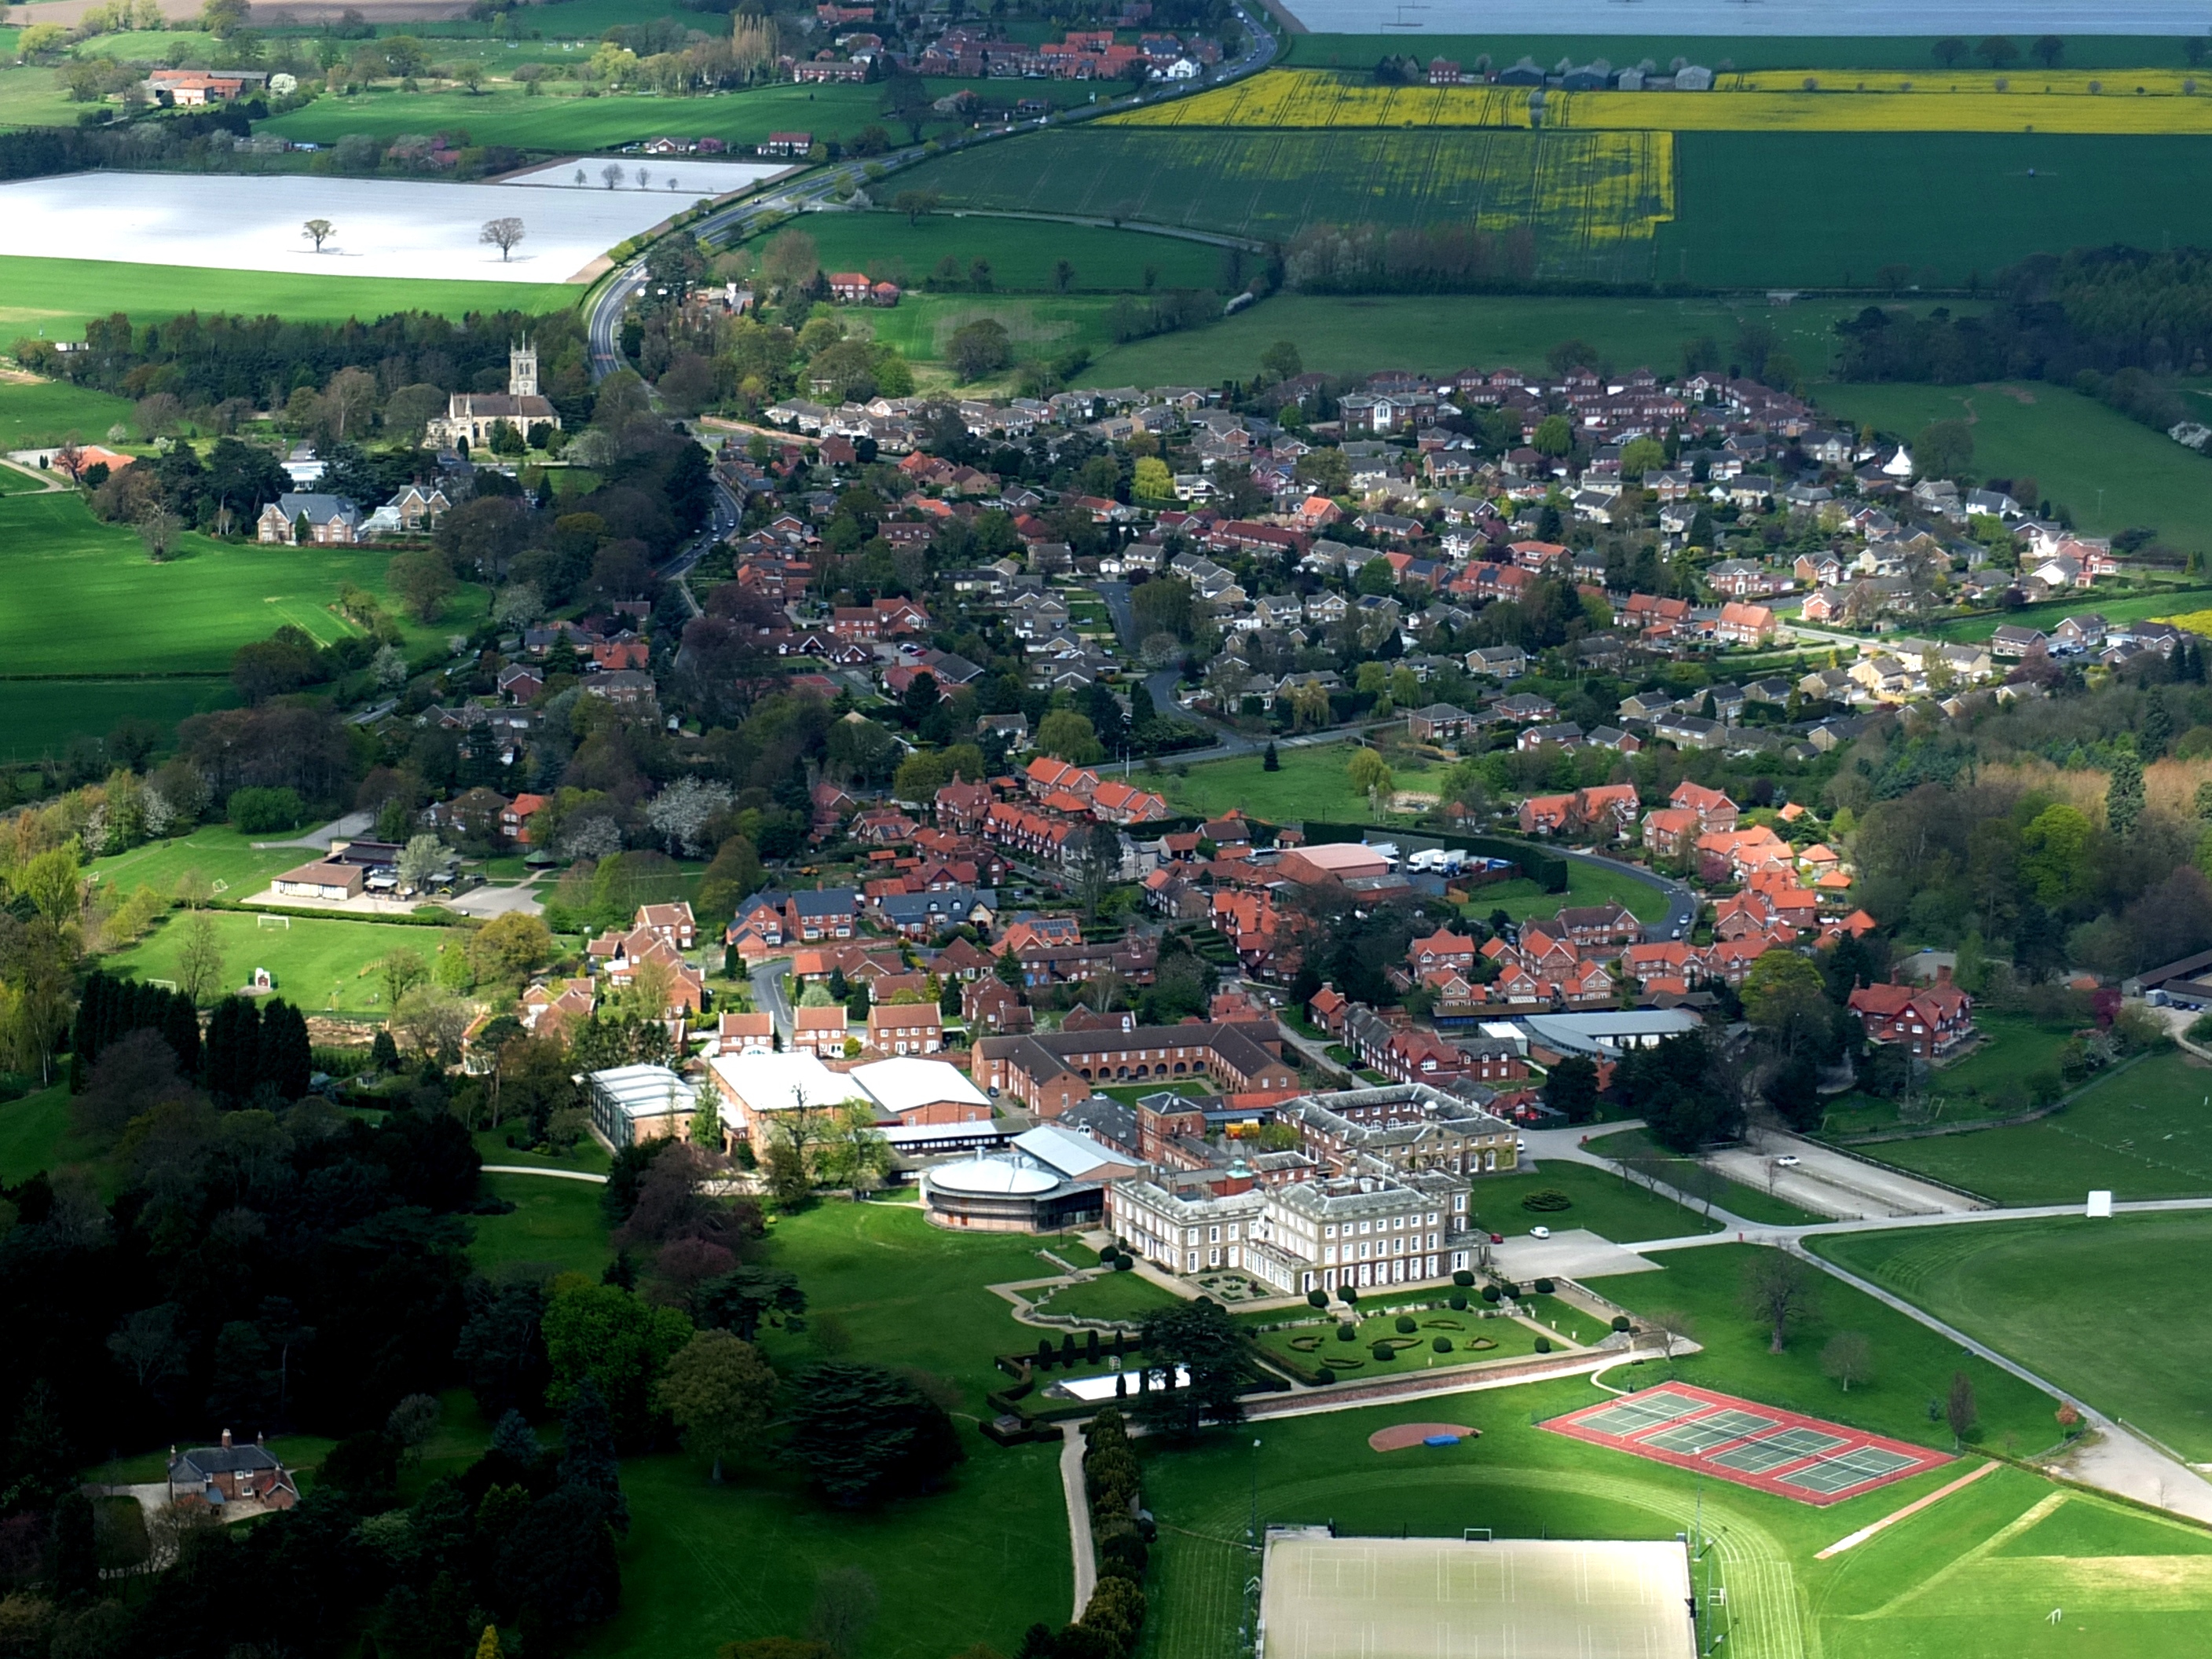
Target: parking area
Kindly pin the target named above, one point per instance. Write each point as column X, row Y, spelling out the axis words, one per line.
column 1826, row 1183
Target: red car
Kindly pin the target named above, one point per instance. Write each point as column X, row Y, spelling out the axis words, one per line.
column 1498, row 1238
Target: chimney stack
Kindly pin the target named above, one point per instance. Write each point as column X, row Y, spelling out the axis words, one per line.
column 226, row 1439
column 1943, row 975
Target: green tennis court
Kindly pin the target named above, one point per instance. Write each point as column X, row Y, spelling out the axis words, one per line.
column 1790, row 1446
column 1642, row 1412
column 1707, row 1432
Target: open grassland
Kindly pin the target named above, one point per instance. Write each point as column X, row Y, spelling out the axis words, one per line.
column 1040, row 326
column 30, row 96
column 33, row 1131
column 1443, row 332
column 1592, row 201
column 321, row 966
column 59, row 563
column 978, row 1561
column 1975, row 1576
column 1909, row 57
column 561, row 121
column 1312, row 783
column 1022, row 253
column 2004, row 197
column 2110, row 472
column 2145, row 1133
column 56, row 296
column 35, row 413
column 2090, row 1304
column 1912, row 1364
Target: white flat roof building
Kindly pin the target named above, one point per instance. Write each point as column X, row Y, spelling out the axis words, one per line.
column 756, row 1086
column 906, row 1084
column 630, row 1103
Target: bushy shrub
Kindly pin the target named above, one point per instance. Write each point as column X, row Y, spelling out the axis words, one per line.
column 1459, row 1301
column 1543, row 1345
column 1347, row 1333
column 1123, row 1263
column 1490, row 1293
column 1324, row 1377
column 1464, row 1278
column 1620, row 1322
column 259, row 811
column 1543, row 1287
column 1405, row 1324
column 1547, row 1199
column 1316, row 1299
column 1441, row 1344
column 1383, row 1352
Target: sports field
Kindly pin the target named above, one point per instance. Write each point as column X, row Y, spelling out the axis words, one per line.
column 55, row 296
column 320, row 966
column 1324, row 1597
column 2146, row 1133
column 1782, row 1452
column 2025, row 1289
column 2110, row 472
column 1964, row 1579
column 1591, row 200
column 129, row 615
column 228, row 860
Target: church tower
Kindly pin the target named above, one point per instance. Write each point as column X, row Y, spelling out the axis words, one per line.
column 522, row 370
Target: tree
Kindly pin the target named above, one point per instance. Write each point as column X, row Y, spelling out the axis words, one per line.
column 720, row 1394
column 510, row 947
column 423, row 857
column 1571, row 1088
column 1200, row 1338
column 317, row 231
column 399, row 971
column 1270, row 760
column 1066, row 735
column 1998, row 52
column 1959, row 1406
column 791, row 261
column 159, row 530
column 433, row 1020
column 1777, row 1292
column 914, row 203
column 2123, row 797
column 411, row 1424
column 423, row 581
column 863, row 1434
column 1848, row 1359
column 844, row 1608
column 980, row 349
column 1280, row 362
column 1950, row 52
column 2047, row 51
column 1785, row 998
column 199, row 965
column 1554, row 436
column 602, row 1334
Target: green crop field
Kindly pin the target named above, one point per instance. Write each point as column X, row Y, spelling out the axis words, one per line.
column 1750, row 51
column 2110, row 472
column 1440, row 333
column 978, row 1561
column 187, row 615
column 2093, row 1305
column 1591, row 200
column 44, row 715
column 30, row 97
column 2144, row 1133
column 1603, row 1203
column 2004, row 197
column 321, row 966
column 35, row 413
column 1022, row 253
column 553, row 1221
column 56, row 296
column 1912, row 1364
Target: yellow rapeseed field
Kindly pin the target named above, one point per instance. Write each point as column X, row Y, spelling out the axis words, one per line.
column 2193, row 622
column 1896, row 112
column 2170, row 103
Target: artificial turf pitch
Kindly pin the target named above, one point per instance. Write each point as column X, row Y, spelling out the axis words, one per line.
column 1324, row 1597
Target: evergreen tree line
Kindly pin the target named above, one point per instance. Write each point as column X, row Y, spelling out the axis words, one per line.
column 248, row 1047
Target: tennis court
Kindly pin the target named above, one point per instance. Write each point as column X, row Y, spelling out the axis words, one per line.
column 1765, row 1447
column 1326, row 1597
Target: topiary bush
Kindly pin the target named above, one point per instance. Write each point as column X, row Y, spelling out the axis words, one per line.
column 1620, row 1322
column 1316, row 1299
column 1547, row 1201
column 1347, row 1333
column 1459, row 1301
column 1383, row 1352
column 1490, row 1293
column 1543, row 1287
column 1464, row 1280
column 1543, row 1345
column 1441, row 1344
column 1509, row 1291
column 1405, row 1324
column 1123, row 1263
column 1324, row 1377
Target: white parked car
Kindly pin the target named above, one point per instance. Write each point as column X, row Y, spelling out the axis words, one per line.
column 1787, row 1161
column 1539, row 1232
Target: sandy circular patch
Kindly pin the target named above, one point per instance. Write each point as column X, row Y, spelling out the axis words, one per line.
column 1399, row 1436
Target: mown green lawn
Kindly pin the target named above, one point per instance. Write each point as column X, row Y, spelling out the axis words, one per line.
column 1128, row 1295
column 1473, row 1339
column 215, row 851
column 319, row 965
column 35, row 413
column 1603, row 1203
column 1587, row 883
column 2093, row 1305
column 2110, row 472
column 32, row 1131
column 554, row 1221
column 1311, row 783
column 2145, row 1133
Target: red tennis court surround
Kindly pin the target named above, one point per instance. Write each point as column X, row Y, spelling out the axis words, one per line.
column 1764, row 1447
